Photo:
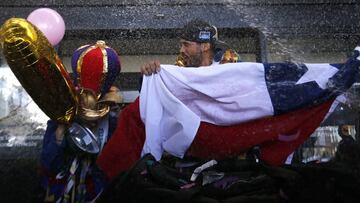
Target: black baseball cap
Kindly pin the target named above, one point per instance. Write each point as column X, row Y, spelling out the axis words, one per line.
column 199, row 31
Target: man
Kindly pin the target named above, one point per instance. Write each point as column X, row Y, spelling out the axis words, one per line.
column 199, row 46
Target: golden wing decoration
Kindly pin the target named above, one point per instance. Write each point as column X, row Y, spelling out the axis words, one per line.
column 38, row 68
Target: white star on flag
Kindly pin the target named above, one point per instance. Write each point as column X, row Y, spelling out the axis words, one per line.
column 320, row 73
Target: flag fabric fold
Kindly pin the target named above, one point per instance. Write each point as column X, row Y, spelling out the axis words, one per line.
column 222, row 111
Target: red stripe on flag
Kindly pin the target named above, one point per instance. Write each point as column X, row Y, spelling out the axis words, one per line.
column 216, row 142
column 125, row 145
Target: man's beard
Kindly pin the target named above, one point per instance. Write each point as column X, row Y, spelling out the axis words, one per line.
column 193, row 61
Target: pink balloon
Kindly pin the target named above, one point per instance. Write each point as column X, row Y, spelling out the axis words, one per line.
column 50, row 23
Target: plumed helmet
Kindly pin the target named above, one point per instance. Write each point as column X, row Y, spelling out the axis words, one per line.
column 95, row 67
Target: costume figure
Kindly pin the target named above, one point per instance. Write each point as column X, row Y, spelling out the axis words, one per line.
column 69, row 172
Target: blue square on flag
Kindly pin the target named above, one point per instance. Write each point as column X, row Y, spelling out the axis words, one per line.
column 204, row 35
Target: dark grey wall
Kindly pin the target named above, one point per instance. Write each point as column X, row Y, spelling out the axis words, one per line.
column 301, row 17
column 88, row 20
column 148, row 19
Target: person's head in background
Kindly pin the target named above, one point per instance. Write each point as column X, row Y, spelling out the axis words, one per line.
column 197, row 43
column 200, row 46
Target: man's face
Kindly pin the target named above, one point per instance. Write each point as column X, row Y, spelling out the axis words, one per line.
column 192, row 53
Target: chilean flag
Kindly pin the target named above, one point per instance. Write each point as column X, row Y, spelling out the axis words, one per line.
column 221, row 111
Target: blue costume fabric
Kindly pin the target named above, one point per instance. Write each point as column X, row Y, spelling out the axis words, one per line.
column 56, row 159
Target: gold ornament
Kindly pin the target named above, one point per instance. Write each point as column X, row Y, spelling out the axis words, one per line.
column 112, row 97
column 90, row 109
column 180, row 61
column 230, row 56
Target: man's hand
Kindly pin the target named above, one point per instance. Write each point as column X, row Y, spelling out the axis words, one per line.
column 150, row 67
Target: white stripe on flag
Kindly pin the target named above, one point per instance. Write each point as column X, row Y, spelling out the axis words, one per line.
column 221, row 94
